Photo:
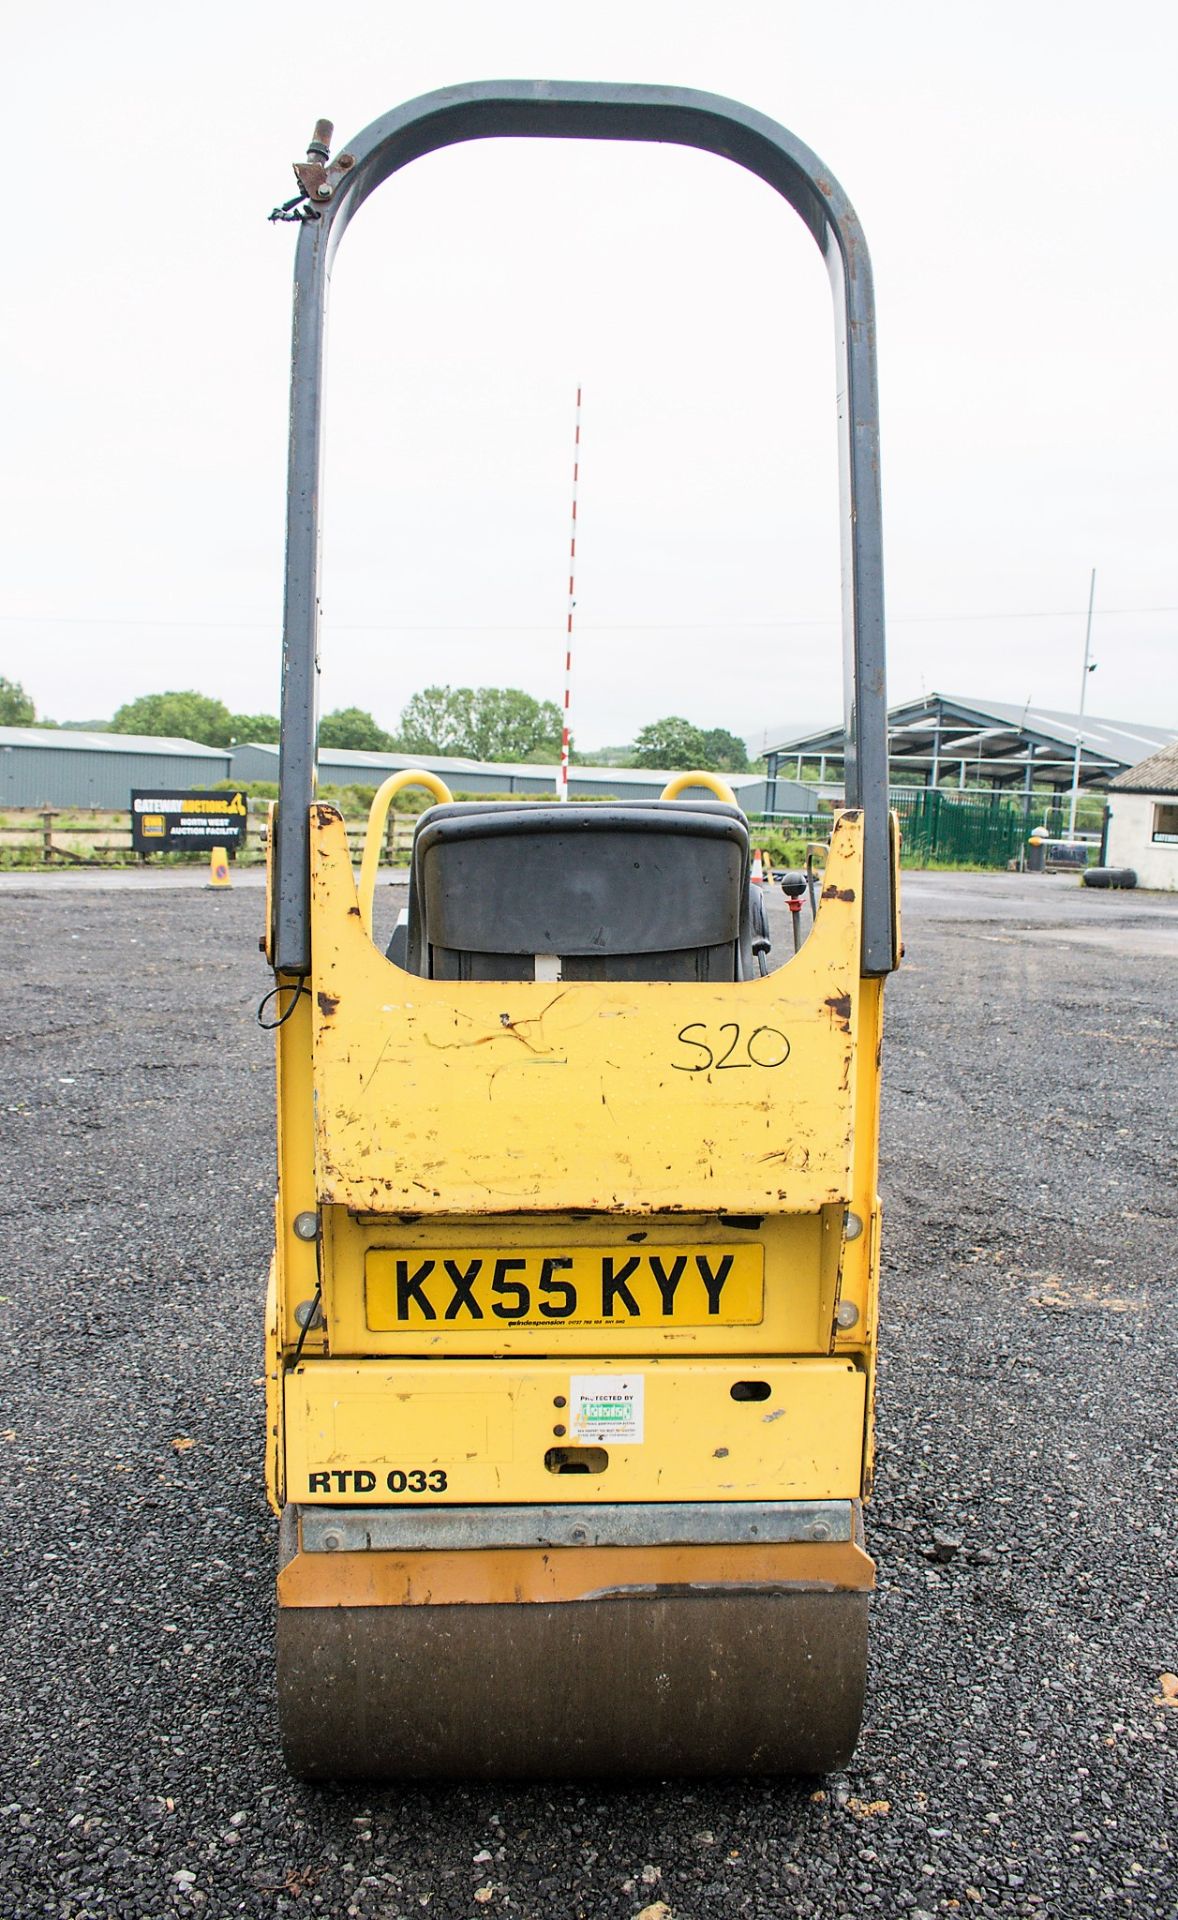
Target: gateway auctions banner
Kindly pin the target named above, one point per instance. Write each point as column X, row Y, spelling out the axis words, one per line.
column 164, row 821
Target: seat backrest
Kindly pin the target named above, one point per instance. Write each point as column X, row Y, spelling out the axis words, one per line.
column 650, row 890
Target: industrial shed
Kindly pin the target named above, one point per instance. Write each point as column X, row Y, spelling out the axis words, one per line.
column 1143, row 820
column 951, row 740
column 58, row 767
column 343, row 767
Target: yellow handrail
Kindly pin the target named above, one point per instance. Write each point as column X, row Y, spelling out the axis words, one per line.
column 719, row 787
column 377, row 815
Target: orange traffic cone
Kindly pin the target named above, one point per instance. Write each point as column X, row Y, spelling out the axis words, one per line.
column 219, row 868
column 758, row 872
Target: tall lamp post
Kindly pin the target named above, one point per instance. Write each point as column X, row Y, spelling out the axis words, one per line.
column 1083, row 692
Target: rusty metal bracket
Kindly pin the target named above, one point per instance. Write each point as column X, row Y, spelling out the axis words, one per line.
column 318, row 176
column 319, row 182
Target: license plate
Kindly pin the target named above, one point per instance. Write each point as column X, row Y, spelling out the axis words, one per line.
column 482, row 1289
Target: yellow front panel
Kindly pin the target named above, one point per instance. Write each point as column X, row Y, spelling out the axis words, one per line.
column 472, row 1431
column 437, row 1097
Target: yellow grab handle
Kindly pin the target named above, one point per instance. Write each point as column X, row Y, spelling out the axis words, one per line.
column 378, row 814
column 712, row 781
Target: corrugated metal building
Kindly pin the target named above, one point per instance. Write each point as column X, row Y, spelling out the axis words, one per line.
column 340, row 767
column 946, row 739
column 56, row 767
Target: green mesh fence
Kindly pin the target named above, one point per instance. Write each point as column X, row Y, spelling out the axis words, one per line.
column 938, row 826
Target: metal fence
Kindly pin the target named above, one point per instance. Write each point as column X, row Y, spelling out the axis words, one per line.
column 941, row 827
column 935, row 826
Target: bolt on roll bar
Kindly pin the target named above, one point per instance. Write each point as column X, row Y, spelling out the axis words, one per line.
column 566, row 110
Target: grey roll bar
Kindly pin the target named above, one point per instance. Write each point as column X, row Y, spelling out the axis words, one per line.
column 573, row 110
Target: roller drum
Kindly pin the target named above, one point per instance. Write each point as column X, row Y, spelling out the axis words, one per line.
column 646, row 1683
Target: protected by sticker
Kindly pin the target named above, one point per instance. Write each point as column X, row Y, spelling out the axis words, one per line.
column 605, row 1408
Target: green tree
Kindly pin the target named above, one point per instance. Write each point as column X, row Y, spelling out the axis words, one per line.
column 507, row 724
column 726, row 752
column 352, row 727
column 436, row 720
column 481, row 723
column 181, row 716
column 16, row 708
column 672, row 743
column 261, row 727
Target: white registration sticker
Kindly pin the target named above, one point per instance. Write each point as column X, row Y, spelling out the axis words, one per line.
column 606, row 1407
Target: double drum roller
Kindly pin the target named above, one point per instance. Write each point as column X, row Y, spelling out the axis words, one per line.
column 571, row 1322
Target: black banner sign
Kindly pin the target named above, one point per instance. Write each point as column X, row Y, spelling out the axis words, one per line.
column 164, row 821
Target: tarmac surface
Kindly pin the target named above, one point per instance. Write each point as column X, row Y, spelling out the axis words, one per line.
column 1018, row 1756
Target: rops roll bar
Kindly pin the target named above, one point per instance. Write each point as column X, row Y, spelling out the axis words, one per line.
column 566, row 110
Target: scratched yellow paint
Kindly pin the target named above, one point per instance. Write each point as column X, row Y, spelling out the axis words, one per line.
column 464, row 1098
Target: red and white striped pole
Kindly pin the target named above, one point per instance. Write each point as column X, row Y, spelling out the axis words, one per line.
column 562, row 778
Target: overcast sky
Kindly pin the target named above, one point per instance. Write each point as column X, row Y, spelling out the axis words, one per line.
column 1014, row 167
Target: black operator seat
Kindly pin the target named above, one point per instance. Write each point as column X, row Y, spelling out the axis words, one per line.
column 649, row 890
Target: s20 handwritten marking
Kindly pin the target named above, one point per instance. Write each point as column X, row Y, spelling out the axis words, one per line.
column 764, row 1047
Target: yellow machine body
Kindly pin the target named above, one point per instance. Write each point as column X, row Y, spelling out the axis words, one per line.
column 572, row 1315
column 545, row 1246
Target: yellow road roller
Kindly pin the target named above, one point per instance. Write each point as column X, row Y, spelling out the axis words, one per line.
column 572, row 1316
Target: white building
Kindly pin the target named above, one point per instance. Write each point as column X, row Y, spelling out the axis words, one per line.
column 1143, row 820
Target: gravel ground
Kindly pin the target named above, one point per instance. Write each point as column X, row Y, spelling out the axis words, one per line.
column 1016, row 1757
